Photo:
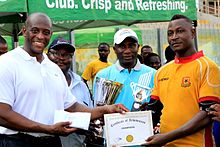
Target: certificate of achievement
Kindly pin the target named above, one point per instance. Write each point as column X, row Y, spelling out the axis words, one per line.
column 131, row 128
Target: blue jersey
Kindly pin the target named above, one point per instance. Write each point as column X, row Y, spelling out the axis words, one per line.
column 141, row 77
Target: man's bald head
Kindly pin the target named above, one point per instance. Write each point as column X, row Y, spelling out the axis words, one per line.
column 37, row 16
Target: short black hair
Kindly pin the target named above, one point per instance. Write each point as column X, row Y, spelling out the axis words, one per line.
column 169, row 54
column 2, row 40
column 104, row 43
column 146, row 46
column 140, row 58
column 147, row 58
column 179, row 16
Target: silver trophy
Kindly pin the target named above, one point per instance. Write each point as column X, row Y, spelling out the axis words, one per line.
column 106, row 91
column 140, row 93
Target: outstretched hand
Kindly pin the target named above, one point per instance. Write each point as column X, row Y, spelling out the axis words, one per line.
column 156, row 140
column 117, row 108
column 62, row 128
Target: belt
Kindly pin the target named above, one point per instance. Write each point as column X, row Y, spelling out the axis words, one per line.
column 27, row 136
column 36, row 134
column 31, row 140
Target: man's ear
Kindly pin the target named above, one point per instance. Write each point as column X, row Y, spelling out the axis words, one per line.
column 138, row 47
column 193, row 33
column 51, row 33
column 24, row 30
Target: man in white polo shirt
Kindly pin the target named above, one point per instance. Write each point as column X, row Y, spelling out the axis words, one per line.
column 32, row 87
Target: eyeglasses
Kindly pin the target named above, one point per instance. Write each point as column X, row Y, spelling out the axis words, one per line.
column 63, row 55
column 131, row 46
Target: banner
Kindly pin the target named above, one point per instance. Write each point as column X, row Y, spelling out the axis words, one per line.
column 149, row 10
column 13, row 6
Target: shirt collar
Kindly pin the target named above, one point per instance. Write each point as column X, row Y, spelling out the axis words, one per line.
column 26, row 56
column 136, row 67
column 189, row 59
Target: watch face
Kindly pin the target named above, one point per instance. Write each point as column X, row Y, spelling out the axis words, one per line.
column 137, row 105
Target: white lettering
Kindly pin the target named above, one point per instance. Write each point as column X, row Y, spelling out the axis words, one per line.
column 98, row 5
column 70, row 4
column 158, row 5
column 63, row 4
column 124, row 5
column 86, row 6
column 108, row 5
column 50, row 5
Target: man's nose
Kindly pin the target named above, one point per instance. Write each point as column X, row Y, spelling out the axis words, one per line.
column 174, row 36
column 40, row 35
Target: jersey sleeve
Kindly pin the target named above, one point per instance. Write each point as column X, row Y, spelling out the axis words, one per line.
column 154, row 94
column 210, row 84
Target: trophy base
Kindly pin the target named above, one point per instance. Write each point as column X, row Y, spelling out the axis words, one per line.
column 136, row 106
column 94, row 141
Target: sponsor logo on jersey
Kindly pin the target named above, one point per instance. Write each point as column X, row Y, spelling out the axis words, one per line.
column 186, row 82
column 164, row 79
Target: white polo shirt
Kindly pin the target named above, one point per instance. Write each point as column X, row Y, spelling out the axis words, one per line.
column 34, row 90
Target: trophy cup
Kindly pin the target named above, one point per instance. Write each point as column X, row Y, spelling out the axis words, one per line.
column 140, row 93
column 106, row 92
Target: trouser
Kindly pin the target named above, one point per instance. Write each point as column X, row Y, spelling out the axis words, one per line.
column 25, row 140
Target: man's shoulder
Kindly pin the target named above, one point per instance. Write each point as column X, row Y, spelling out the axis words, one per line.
column 209, row 62
column 76, row 76
column 147, row 68
column 107, row 70
column 93, row 62
column 11, row 57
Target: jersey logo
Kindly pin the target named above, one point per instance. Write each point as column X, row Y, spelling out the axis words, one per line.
column 164, row 79
column 185, row 82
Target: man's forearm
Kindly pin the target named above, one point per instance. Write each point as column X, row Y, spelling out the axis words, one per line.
column 12, row 120
column 95, row 112
column 198, row 122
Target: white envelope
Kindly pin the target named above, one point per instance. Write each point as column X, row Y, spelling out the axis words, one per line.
column 79, row 120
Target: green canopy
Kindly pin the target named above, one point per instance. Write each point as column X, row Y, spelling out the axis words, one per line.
column 78, row 14
column 12, row 14
column 70, row 15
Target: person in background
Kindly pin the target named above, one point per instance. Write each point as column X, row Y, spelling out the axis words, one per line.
column 140, row 58
column 153, row 60
column 127, row 70
column 145, row 50
column 94, row 66
column 215, row 113
column 169, row 54
column 184, row 121
column 32, row 88
column 60, row 52
column 3, row 46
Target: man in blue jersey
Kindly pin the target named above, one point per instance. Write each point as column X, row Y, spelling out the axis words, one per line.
column 135, row 77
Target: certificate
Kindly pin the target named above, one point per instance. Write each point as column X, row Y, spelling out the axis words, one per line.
column 131, row 128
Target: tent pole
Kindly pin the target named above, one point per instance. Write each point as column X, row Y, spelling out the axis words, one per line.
column 15, row 36
column 72, row 41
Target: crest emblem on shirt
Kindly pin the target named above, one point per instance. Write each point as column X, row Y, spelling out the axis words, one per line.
column 186, row 82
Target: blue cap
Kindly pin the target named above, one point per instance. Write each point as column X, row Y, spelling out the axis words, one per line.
column 61, row 43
